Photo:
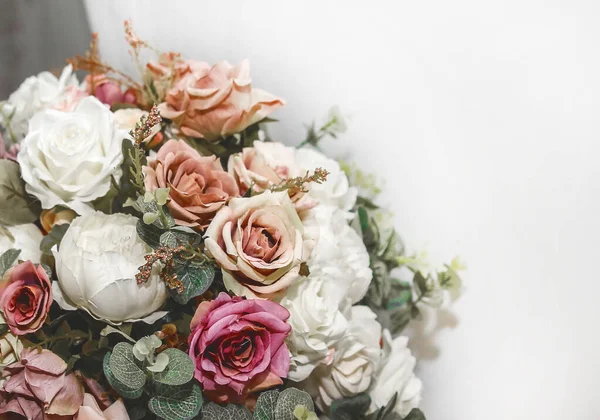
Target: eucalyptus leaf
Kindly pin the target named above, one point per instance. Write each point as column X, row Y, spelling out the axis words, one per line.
column 169, row 240
column 53, row 237
column 179, row 371
column 415, row 414
column 352, row 408
column 287, row 402
column 176, row 402
column 212, row 411
column 124, row 366
column 265, row 405
column 195, row 276
column 16, row 206
column 8, row 259
column 122, row 389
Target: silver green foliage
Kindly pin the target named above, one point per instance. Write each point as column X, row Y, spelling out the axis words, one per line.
column 287, row 402
column 125, row 367
column 212, row 411
column 16, row 206
column 179, row 371
column 8, row 259
column 265, row 405
column 122, row 389
column 176, row 402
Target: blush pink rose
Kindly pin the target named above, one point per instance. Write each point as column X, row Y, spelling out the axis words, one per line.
column 70, row 99
column 25, row 297
column 90, row 410
column 238, row 346
column 10, row 153
column 108, row 92
column 214, row 102
column 38, row 389
column 199, row 187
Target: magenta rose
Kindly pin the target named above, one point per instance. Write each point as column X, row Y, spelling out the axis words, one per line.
column 25, row 297
column 238, row 346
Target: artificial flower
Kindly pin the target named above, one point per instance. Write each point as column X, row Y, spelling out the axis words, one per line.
column 56, row 216
column 38, row 388
column 68, row 158
column 90, row 410
column 96, row 265
column 260, row 244
column 25, row 297
column 26, row 237
column 214, row 102
column 395, row 375
column 8, row 153
column 107, row 91
column 10, row 347
column 127, row 118
column 238, row 346
column 198, row 185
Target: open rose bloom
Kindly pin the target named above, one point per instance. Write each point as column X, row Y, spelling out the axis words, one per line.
column 164, row 255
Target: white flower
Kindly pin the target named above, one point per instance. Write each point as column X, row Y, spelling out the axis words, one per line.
column 395, row 375
column 316, row 323
column 10, row 347
column 336, row 190
column 35, row 94
column 144, row 349
column 68, row 158
column 127, row 118
column 340, row 256
column 25, row 237
column 355, row 360
column 96, row 266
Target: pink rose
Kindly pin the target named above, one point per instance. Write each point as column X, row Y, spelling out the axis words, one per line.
column 216, row 102
column 90, row 410
column 238, row 346
column 199, row 187
column 69, row 99
column 38, row 387
column 107, row 91
column 25, row 297
column 10, row 153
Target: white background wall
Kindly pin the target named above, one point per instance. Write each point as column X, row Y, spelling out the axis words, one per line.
column 484, row 117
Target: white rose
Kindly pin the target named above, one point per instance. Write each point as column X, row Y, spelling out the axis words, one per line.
column 10, row 347
column 395, row 375
column 355, row 360
column 68, row 158
column 316, row 322
column 35, row 94
column 127, row 118
column 25, row 237
column 96, row 266
column 340, row 256
column 336, row 190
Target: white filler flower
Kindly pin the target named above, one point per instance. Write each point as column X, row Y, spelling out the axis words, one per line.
column 25, row 237
column 96, row 266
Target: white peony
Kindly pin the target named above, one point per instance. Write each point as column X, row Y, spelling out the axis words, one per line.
column 25, row 237
column 68, row 158
column 355, row 360
column 340, row 256
column 336, row 190
column 316, row 323
column 395, row 375
column 96, row 266
column 35, row 94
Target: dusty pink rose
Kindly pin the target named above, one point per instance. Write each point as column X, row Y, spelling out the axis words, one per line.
column 238, row 346
column 38, row 388
column 214, row 102
column 25, row 297
column 199, row 187
column 10, row 153
column 108, row 92
column 260, row 244
column 90, row 410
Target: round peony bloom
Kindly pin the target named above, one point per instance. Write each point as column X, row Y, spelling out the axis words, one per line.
column 198, row 185
column 38, row 388
column 10, row 347
column 36, row 93
column 238, row 346
column 395, row 374
column 214, row 102
column 336, row 190
column 26, row 237
column 96, row 266
column 68, row 158
column 260, row 243
column 25, row 297
column 355, row 359
column 317, row 324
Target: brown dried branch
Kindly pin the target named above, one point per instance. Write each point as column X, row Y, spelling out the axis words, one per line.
column 298, row 184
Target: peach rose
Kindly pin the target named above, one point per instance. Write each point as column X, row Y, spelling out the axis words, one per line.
column 198, row 185
column 260, row 244
column 216, row 102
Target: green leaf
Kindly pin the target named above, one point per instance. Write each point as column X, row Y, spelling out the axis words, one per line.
column 363, row 217
column 196, row 278
column 401, row 294
column 126, row 183
column 8, row 259
column 352, row 408
column 3, row 329
column 16, row 206
column 169, row 240
column 149, row 234
column 179, row 371
column 415, row 414
column 122, row 389
column 387, row 412
column 287, row 402
column 265, row 405
column 176, row 402
column 53, row 237
column 212, row 411
column 124, row 366
column 421, row 282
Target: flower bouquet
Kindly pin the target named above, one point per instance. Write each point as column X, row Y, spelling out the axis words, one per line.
column 163, row 257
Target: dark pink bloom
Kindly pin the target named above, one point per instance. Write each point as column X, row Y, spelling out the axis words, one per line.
column 25, row 297
column 238, row 346
column 10, row 153
column 38, row 387
column 108, row 92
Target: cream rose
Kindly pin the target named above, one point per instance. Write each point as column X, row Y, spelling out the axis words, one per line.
column 96, row 265
column 395, row 375
column 260, row 243
column 10, row 347
column 127, row 118
column 68, row 158
column 25, row 237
